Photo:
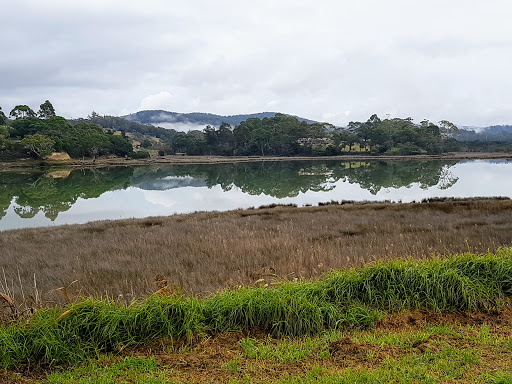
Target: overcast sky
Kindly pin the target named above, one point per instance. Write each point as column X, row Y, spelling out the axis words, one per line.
column 335, row 61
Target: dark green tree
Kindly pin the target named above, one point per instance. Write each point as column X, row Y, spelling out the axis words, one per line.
column 191, row 143
column 4, row 132
column 46, row 110
column 3, row 118
column 146, row 143
column 447, row 127
column 397, row 136
column 226, row 140
column 27, row 126
column 120, row 146
column 21, row 112
column 38, row 144
column 210, row 135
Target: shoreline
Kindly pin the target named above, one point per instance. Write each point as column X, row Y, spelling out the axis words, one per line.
column 174, row 159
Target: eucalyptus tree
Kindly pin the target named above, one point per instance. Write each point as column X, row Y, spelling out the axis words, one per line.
column 38, row 144
column 3, row 118
column 21, row 112
column 46, row 110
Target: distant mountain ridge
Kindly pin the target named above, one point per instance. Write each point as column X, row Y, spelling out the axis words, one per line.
column 156, row 117
column 498, row 129
column 491, row 133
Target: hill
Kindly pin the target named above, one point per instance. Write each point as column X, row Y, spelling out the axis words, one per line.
column 159, row 117
column 135, row 128
column 494, row 133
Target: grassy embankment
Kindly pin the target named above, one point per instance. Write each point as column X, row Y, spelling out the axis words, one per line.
column 325, row 315
column 396, row 351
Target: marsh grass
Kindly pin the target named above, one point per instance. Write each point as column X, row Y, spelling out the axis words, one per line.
column 354, row 298
column 12, row 307
column 204, row 252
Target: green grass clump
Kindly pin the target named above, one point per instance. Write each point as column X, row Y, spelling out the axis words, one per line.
column 292, row 309
column 93, row 326
column 350, row 298
column 462, row 282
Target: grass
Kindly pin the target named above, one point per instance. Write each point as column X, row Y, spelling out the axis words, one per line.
column 372, row 356
column 129, row 370
column 121, row 259
column 288, row 349
column 353, row 298
column 429, row 367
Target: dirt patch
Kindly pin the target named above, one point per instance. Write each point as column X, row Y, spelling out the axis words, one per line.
column 22, row 377
column 208, row 359
column 418, row 319
column 346, row 349
column 58, row 156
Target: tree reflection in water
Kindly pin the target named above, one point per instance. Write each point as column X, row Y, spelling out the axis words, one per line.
column 53, row 192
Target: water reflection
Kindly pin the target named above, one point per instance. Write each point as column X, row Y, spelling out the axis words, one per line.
column 53, row 192
column 289, row 179
column 43, row 197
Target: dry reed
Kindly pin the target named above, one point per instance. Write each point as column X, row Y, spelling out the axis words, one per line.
column 204, row 252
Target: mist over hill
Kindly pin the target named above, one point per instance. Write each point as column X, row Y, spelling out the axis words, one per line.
column 493, row 133
column 138, row 130
column 195, row 120
column 158, row 128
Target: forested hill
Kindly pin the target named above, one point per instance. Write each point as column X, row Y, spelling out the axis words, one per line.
column 128, row 126
column 494, row 133
column 498, row 129
column 156, row 117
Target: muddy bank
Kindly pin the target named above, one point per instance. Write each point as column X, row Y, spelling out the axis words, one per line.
column 172, row 159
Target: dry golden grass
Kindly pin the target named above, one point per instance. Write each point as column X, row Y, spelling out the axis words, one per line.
column 204, row 252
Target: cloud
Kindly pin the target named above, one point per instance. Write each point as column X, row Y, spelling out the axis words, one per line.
column 182, row 127
column 436, row 59
column 162, row 100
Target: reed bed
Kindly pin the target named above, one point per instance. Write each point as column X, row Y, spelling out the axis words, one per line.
column 204, row 252
column 356, row 297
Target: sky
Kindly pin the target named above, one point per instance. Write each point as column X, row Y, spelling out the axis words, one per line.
column 335, row 61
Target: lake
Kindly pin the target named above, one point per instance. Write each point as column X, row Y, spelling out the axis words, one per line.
column 69, row 196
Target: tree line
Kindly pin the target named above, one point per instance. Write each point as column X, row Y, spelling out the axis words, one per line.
column 284, row 135
column 37, row 135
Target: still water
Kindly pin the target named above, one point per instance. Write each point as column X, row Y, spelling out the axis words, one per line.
column 65, row 196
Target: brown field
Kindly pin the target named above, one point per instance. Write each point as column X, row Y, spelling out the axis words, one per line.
column 203, row 252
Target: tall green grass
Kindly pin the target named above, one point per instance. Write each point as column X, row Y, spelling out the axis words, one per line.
column 354, row 297
column 463, row 282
